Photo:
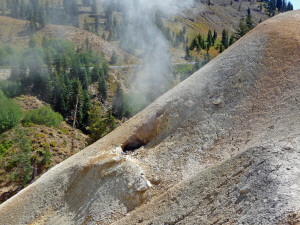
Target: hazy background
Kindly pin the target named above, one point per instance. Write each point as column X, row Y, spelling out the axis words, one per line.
column 296, row 4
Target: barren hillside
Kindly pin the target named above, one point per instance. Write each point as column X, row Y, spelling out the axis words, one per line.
column 222, row 147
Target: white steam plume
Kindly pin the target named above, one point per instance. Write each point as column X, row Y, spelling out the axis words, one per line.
column 151, row 80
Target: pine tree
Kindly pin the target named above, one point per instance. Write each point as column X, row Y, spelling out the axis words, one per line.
column 197, row 64
column 194, row 44
column 41, row 17
column 86, row 106
column 14, row 8
column 76, row 101
column 32, row 42
column 109, row 17
column 110, row 35
column 206, row 59
column 207, row 47
column 114, row 58
column 87, row 43
column 95, row 73
column 249, row 20
column 221, row 48
column 215, row 37
column 284, row 6
column 22, row 10
column 290, row 6
column 60, row 96
column 187, row 53
column 22, row 74
column 225, row 40
column 2, row 8
column 45, row 42
column 35, row 64
column 242, row 29
column 86, row 25
column 118, row 102
column 71, row 8
column 100, row 123
column 105, row 70
column 97, row 25
column 102, row 89
column 202, row 43
column 279, row 5
column 103, row 36
column 272, row 7
column 97, row 126
column 94, row 7
column 209, row 38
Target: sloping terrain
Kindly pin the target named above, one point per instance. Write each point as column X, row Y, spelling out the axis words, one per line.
column 221, row 147
column 220, row 14
column 49, row 146
column 259, row 186
column 15, row 32
column 79, row 36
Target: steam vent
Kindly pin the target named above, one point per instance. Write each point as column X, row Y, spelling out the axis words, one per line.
column 223, row 147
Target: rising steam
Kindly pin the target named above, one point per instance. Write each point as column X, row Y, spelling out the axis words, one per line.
column 141, row 31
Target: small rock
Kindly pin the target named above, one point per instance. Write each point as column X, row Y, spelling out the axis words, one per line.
column 143, row 185
column 219, row 103
column 155, row 180
column 189, row 103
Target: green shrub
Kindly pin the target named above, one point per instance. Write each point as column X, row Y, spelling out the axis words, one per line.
column 10, row 113
column 2, row 94
column 133, row 103
column 43, row 116
column 47, row 158
column 11, row 89
column 185, row 70
column 23, row 172
column 11, row 176
column 4, row 146
column 53, row 144
column 12, row 162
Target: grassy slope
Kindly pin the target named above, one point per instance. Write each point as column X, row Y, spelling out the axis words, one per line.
column 17, row 29
column 217, row 16
column 57, row 140
column 79, row 36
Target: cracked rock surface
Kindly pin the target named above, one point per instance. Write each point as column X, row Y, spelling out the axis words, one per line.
column 222, row 147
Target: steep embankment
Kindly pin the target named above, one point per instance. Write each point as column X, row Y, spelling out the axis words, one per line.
column 223, row 146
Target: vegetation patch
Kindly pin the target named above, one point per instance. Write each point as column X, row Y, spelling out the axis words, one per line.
column 43, row 116
column 4, row 146
column 10, row 113
column 10, row 89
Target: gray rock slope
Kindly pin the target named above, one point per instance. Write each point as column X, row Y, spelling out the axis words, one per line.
column 220, row 148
